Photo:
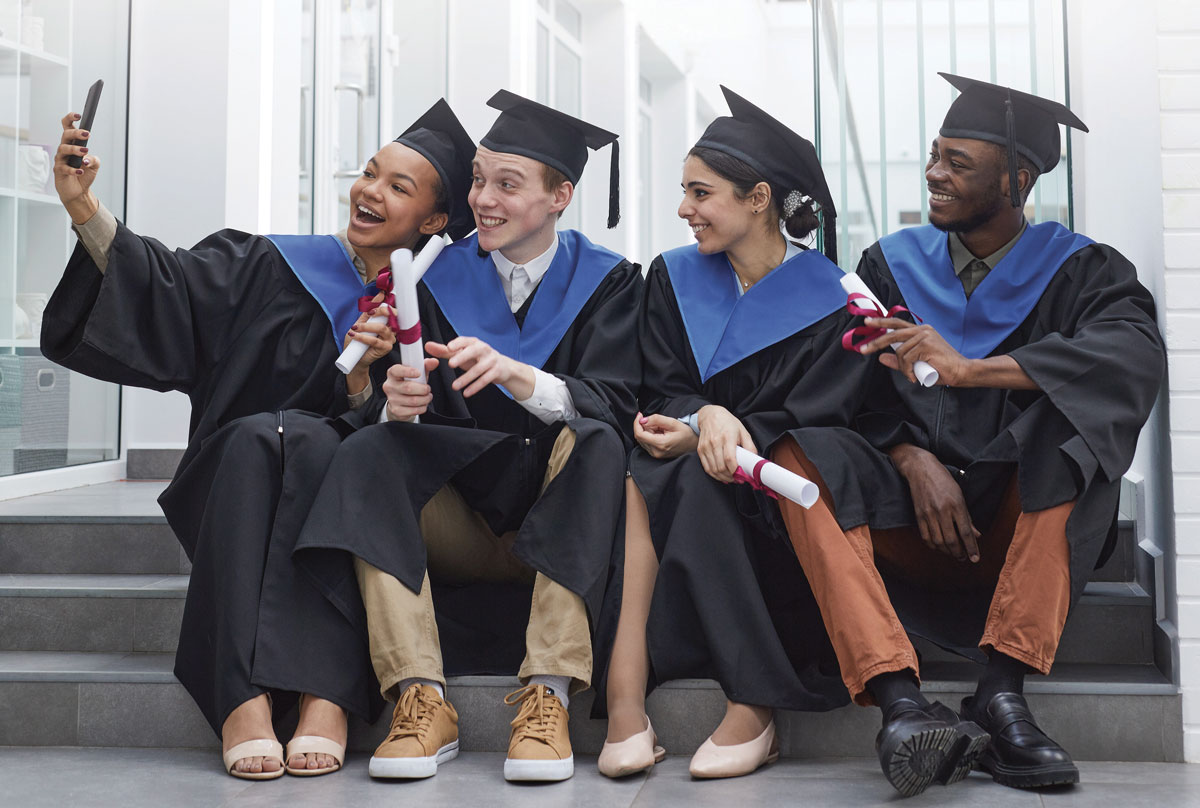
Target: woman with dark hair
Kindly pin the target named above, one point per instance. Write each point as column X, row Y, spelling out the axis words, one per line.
column 739, row 338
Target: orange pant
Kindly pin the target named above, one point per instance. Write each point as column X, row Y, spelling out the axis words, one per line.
column 1024, row 558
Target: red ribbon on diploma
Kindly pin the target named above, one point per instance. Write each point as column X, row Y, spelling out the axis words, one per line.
column 856, row 337
column 754, row 480
column 383, row 282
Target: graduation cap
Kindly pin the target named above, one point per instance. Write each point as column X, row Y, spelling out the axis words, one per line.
column 536, row 131
column 441, row 139
column 1020, row 122
column 775, row 152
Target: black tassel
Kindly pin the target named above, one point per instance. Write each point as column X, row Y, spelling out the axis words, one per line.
column 1010, row 132
column 614, row 186
column 830, row 233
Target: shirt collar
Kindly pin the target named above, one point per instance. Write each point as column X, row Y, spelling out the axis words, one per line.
column 961, row 257
column 534, row 268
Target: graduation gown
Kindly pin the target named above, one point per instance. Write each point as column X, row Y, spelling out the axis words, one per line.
column 251, row 337
column 730, row 601
column 1073, row 315
column 581, row 326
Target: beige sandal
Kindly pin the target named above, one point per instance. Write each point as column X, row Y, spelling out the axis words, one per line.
column 256, row 748
column 315, row 745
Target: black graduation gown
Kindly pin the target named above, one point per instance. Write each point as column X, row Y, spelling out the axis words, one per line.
column 1092, row 346
column 229, row 324
column 730, row 601
column 494, row 452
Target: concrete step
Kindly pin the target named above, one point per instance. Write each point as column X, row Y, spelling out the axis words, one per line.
column 111, row 528
column 1113, row 624
column 93, row 613
column 1099, row 712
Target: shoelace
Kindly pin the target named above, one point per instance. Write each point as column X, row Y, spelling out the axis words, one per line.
column 414, row 714
column 538, row 715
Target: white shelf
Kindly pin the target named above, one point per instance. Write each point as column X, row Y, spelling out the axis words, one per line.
column 31, row 342
column 30, row 196
column 45, row 56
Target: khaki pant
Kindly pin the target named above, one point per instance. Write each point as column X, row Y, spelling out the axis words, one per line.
column 1024, row 560
column 461, row 548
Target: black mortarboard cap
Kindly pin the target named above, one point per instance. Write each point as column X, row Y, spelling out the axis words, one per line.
column 1020, row 122
column 776, row 152
column 561, row 141
column 441, row 139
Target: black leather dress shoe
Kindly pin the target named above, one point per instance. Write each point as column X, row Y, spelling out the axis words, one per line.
column 913, row 746
column 1020, row 754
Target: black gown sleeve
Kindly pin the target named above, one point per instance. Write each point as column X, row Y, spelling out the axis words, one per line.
column 606, row 366
column 671, row 381
column 1103, row 367
column 158, row 318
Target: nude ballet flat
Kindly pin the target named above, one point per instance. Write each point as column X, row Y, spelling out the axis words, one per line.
column 711, row 761
column 632, row 755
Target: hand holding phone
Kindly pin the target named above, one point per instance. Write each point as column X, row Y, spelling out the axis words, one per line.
column 85, row 123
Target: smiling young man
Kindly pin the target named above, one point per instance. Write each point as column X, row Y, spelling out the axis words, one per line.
column 249, row 327
column 983, row 503
column 501, row 479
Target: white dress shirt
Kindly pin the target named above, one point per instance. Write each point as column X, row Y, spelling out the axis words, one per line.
column 551, row 399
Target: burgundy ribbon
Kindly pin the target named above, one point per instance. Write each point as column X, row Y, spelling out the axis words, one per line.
column 383, row 282
column 754, row 480
column 856, row 337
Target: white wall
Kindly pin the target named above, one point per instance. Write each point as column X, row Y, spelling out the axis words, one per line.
column 1178, row 97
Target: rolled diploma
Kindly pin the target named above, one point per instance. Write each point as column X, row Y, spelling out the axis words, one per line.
column 404, row 270
column 783, row 482
column 926, row 374
column 355, row 350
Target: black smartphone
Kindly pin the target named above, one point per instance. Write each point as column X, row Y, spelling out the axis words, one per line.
column 89, row 114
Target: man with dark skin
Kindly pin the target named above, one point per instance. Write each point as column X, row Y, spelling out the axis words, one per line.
column 972, row 512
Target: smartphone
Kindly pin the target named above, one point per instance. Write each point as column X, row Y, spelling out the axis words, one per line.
column 89, row 114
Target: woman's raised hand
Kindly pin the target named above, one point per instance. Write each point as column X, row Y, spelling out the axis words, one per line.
column 74, row 184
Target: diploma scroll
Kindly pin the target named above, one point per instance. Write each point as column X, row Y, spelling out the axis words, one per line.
column 926, row 373
column 778, row 479
column 416, row 267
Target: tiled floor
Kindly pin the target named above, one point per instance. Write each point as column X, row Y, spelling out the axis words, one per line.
column 133, row 778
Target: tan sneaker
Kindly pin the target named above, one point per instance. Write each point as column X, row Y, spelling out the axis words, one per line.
column 539, row 747
column 424, row 733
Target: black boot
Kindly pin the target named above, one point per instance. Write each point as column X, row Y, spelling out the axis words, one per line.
column 1020, row 754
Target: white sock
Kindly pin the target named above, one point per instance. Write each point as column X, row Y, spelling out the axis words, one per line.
column 559, row 685
column 405, row 684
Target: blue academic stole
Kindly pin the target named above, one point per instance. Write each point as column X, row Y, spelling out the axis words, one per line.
column 723, row 328
column 919, row 258
column 327, row 271
column 467, row 289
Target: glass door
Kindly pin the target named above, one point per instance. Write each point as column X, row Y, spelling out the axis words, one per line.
column 345, row 103
column 50, row 417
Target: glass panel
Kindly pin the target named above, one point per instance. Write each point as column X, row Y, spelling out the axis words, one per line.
column 356, row 95
column 882, row 101
column 304, row 220
column 568, row 17
column 50, row 53
column 543, row 64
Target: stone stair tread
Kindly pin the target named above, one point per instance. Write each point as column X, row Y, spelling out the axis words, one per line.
column 70, row 666
column 126, row 501
column 83, row 585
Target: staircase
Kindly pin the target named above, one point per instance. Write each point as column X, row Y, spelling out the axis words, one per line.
column 92, row 584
